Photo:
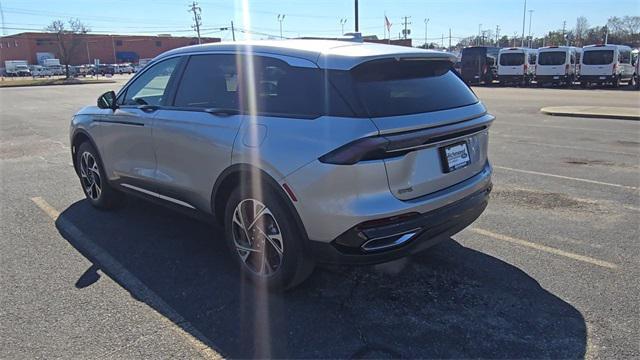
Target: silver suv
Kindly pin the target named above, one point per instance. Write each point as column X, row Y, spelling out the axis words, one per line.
column 305, row 151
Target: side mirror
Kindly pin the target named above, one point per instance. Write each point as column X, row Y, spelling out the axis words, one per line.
column 107, row 101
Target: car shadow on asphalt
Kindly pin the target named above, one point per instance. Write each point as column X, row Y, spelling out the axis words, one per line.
column 448, row 302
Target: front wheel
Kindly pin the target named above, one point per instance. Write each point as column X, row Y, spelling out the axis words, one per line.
column 94, row 180
column 265, row 239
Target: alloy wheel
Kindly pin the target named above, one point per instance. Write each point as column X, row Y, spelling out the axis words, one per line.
column 257, row 237
column 90, row 175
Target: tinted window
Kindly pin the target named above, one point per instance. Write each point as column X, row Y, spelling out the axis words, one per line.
column 390, row 87
column 511, row 59
column 209, row 81
column 597, row 57
column 273, row 88
column 625, row 57
column 151, row 86
column 552, row 58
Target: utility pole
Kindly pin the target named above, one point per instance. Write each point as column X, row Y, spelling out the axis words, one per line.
column 442, row 43
column 564, row 29
column 233, row 31
column 515, row 36
column 606, row 35
column 426, row 41
column 530, row 15
column 4, row 29
column 356, row 10
column 280, row 20
column 449, row 39
column 524, row 17
column 497, row 35
column 406, row 31
column 197, row 19
column 342, row 22
column 479, row 34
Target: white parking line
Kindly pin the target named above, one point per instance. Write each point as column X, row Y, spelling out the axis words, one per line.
column 526, row 142
column 118, row 273
column 565, row 177
column 573, row 129
column 544, row 248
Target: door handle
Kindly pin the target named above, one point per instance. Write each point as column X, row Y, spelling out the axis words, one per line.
column 222, row 111
column 148, row 108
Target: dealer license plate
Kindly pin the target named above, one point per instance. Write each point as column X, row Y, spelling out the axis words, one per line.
column 454, row 156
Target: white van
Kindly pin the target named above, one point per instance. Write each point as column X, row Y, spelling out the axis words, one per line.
column 606, row 64
column 557, row 65
column 516, row 66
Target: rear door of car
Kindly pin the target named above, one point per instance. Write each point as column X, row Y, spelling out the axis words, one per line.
column 552, row 62
column 598, row 61
column 436, row 127
column 193, row 137
column 511, row 62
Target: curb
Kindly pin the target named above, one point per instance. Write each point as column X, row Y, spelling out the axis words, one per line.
column 617, row 113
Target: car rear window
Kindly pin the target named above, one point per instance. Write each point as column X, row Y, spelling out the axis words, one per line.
column 512, row 59
column 597, row 57
column 392, row 87
column 552, row 58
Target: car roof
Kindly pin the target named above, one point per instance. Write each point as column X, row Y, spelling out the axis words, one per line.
column 326, row 54
column 605, row 46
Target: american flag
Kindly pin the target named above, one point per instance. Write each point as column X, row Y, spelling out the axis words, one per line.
column 387, row 23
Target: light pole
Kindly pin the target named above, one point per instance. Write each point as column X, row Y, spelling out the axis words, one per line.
column 524, row 17
column 426, row 25
column 530, row 15
column 280, row 20
column 479, row 34
column 342, row 22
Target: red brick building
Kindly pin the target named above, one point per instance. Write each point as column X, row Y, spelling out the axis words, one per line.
column 110, row 49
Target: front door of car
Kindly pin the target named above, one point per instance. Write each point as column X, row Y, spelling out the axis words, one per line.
column 194, row 137
column 129, row 154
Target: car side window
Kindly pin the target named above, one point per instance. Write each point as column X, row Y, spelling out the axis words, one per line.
column 209, row 81
column 625, row 57
column 151, row 87
column 273, row 88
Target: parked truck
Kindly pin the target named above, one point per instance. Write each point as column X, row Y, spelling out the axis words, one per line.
column 17, row 68
column 54, row 66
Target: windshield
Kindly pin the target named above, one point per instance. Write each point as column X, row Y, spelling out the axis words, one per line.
column 391, row 87
column 552, row 58
column 598, row 57
column 512, row 59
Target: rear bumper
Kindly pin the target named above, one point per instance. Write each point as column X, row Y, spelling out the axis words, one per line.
column 551, row 78
column 512, row 78
column 407, row 236
column 600, row 79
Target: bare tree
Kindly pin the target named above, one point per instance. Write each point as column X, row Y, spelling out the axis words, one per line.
column 581, row 30
column 68, row 39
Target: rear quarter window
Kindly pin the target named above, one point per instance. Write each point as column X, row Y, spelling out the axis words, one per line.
column 392, row 87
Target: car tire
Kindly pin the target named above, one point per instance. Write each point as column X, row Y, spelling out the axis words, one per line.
column 268, row 248
column 93, row 179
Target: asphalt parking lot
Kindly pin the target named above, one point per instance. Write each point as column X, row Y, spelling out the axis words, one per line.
column 547, row 272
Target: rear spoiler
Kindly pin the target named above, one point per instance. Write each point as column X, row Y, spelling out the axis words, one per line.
column 336, row 61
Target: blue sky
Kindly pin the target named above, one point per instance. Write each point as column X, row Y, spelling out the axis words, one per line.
column 313, row 18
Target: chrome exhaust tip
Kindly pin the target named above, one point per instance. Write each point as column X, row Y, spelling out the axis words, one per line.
column 389, row 242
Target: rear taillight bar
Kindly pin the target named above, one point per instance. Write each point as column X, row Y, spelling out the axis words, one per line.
column 394, row 145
